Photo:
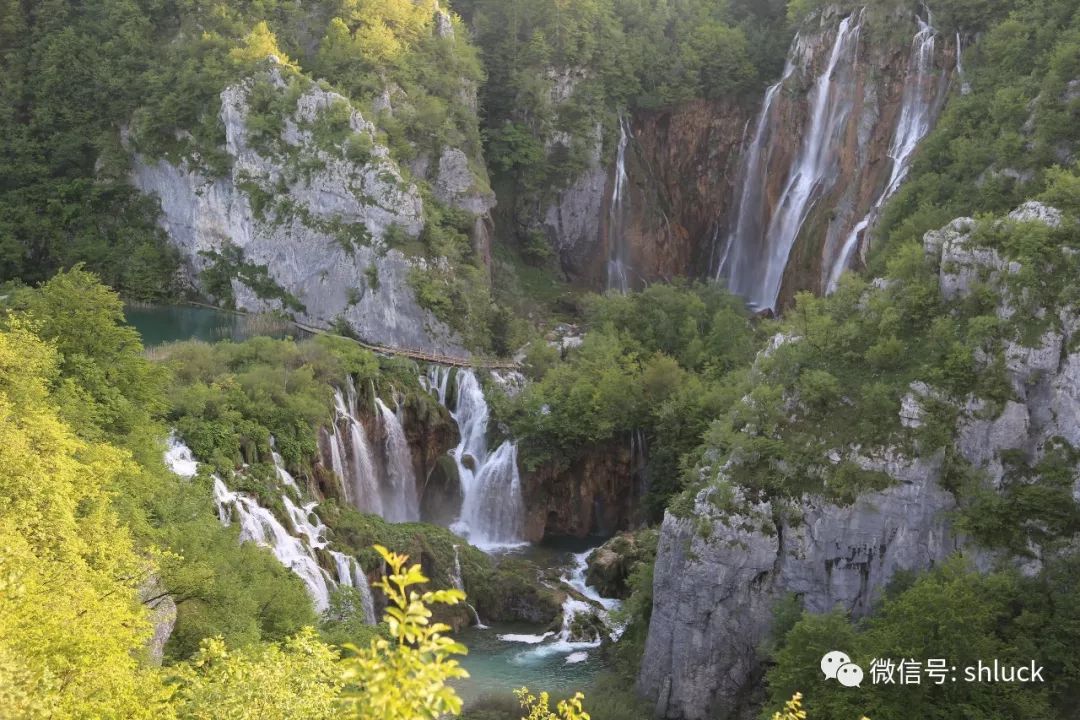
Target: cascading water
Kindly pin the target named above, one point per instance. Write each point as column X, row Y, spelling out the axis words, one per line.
column 279, row 465
column 965, row 86
column 917, row 111
column 361, row 477
column 827, row 118
column 400, row 500
column 350, row 574
column 459, row 584
column 179, row 458
column 259, row 525
column 570, row 641
column 618, row 255
column 492, row 509
column 753, row 262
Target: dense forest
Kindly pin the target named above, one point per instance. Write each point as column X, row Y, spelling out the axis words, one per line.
column 423, row 215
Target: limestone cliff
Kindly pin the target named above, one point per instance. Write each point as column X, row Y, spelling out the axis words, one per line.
column 312, row 215
column 721, row 569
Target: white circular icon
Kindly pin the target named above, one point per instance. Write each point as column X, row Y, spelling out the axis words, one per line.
column 849, row 675
column 832, row 662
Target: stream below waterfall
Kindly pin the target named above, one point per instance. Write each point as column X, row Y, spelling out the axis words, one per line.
column 506, row 656
column 378, row 477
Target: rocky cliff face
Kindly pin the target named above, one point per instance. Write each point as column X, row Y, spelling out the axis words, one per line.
column 309, row 217
column 679, row 166
column 594, row 495
column 705, row 182
column 720, row 571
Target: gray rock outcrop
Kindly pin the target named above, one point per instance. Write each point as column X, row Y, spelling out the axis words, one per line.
column 720, row 571
column 319, row 216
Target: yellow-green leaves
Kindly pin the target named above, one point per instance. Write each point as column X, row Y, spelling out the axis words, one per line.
column 539, row 709
column 70, row 621
column 295, row 680
column 406, row 679
column 259, row 44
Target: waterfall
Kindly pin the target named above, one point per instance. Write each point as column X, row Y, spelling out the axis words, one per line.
column 437, row 381
column 301, row 521
column 179, row 458
column 618, row 261
column 755, row 268
column 750, row 210
column 279, row 465
column 361, row 478
column 337, row 463
column 400, row 500
column 259, row 525
column 639, row 460
column 917, row 109
column 816, row 159
column 492, row 511
column 350, row 574
column 564, row 642
column 965, row 86
column 459, row 584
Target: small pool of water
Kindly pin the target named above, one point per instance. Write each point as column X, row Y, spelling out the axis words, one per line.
column 532, row 656
column 497, row 667
column 161, row 324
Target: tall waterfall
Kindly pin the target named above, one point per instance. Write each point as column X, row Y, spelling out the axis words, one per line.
column 828, row 114
column 400, row 500
column 618, row 254
column 753, row 263
column 492, row 510
column 738, row 256
column 786, row 189
column 917, row 111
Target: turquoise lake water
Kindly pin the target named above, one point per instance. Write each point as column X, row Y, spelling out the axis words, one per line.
column 161, row 324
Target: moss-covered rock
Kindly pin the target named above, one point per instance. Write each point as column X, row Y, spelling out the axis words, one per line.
column 610, row 564
column 514, row 592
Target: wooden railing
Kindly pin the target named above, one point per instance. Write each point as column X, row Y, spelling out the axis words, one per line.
column 420, row 355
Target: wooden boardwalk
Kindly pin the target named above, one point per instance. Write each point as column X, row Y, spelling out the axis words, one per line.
column 418, row 355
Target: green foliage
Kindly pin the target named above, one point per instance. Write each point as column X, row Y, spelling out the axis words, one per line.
column 542, row 110
column 71, row 624
column 297, row 678
column 653, row 362
column 951, row 613
column 70, row 78
column 228, row 399
column 994, row 146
